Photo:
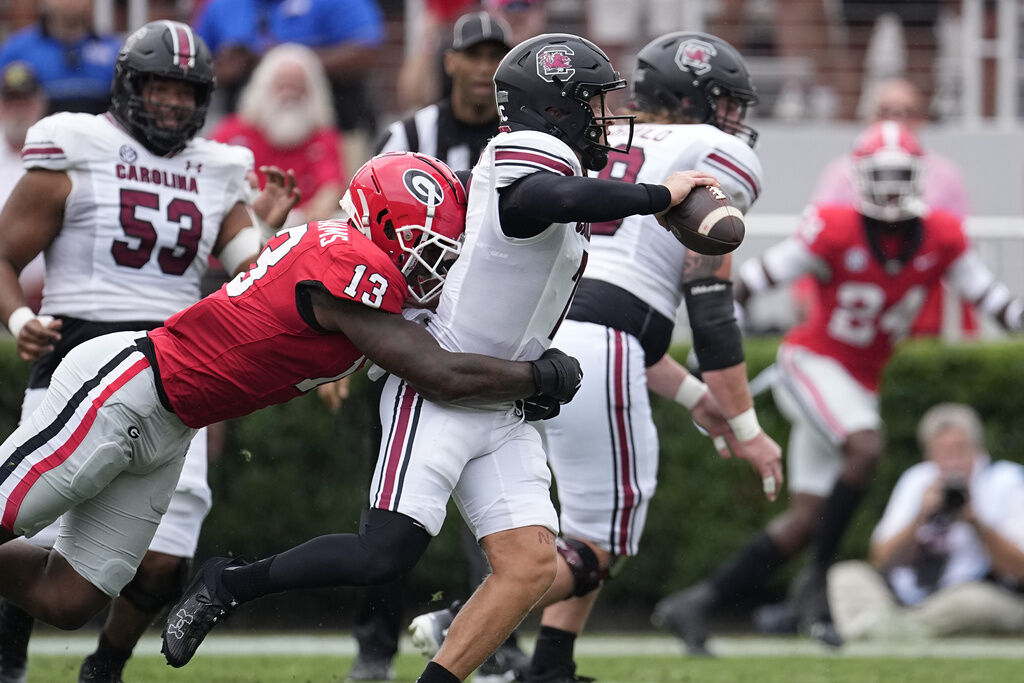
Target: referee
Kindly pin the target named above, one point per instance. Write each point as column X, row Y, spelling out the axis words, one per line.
column 456, row 128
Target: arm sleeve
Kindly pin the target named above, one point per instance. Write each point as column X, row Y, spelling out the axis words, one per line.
column 549, row 198
column 50, row 144
column 737, row 168
column 972, row 279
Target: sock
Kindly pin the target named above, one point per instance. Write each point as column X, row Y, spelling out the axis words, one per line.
column 15, row 630
column 836, row 514
column 248, row 582
column 108, row 658
column 553, row 650
column 435, row 673
column 748, row 569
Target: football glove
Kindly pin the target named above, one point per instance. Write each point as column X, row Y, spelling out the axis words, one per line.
column 557, row 375
column 540, row 408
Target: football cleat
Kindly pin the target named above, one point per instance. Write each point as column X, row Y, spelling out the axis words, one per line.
column 427, row 631
column 563, row 674
column 96, row 670
column 503, row 665
column 369, row 668
column 201, row 607
column 685, row 614
column 810, row 597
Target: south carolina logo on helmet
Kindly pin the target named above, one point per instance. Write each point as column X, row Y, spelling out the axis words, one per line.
column 695, row 56
column 413, row 207
column 555, row 61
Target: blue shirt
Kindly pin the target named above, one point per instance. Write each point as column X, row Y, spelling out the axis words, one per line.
column 75, row 76
column 261, row 24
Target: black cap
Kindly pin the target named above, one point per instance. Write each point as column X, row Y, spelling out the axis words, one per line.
column 479, row 27
column 18, row 80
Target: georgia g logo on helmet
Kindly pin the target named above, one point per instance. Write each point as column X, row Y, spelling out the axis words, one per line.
column 555, row 61
column 423, row 186
column 695, row 55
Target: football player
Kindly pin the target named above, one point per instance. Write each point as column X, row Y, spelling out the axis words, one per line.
column 526, row 248
column 107, row 443
column 127, row 207
column 872, row 265
column 690, row 93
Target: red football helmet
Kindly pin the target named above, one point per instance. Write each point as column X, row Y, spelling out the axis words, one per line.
column 888, row 162
column 414, row 208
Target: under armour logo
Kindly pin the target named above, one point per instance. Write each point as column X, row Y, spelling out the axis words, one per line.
column 177, row 629
column 189, row 166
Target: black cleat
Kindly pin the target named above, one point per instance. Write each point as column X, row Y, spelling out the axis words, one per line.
column 503, row 665
column 203, row 605
column 685, row 614
column 810, row 597
column 96, row 670
column 563, row 674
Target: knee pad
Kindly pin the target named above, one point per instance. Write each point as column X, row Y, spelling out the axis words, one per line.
column 587, row 572
column 151, row 601
column 395, row 543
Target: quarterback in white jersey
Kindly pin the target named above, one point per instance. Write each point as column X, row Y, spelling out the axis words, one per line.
column 603, row 447
column 127, row 208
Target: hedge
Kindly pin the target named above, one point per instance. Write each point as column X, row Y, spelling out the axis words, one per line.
column 292, row 472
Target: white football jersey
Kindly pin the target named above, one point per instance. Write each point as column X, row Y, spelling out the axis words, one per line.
column 505, row 296
column 138, row 228
column 636, row 253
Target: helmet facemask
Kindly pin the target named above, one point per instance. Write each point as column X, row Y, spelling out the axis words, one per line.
column 157, row 137
column 889, row 185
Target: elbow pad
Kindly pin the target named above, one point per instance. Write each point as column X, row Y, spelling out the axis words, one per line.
column 717, row 341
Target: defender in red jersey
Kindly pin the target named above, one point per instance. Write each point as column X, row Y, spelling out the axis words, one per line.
column 872, row 266
column 107, row 444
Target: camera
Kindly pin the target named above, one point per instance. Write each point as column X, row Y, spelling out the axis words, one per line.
column 954, row 496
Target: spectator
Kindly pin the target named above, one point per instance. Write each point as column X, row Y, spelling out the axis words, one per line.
column 345, row 34
column 898, row 99
column 947, row 556
column 22, row 103
column 455, row 130
column 285, row 118
column 74, row 65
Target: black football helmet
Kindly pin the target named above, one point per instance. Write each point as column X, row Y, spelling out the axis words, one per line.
column 546, row 83
column 169, row 49
column 687, row 72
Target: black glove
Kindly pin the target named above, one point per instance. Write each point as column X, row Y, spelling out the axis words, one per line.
column 540, row 408
column 557, row 375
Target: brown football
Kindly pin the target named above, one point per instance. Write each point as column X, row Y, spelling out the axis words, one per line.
column 706, row 222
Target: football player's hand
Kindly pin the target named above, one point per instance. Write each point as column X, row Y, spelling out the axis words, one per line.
column 708, row 415
column 557, row 375
column 540, row 408
column 279, row 196
column 37, row 337
column 765, row 456
column 679, row 185
column 333, row 394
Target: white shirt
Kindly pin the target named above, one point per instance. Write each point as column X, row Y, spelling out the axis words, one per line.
column 636, row 253
column 506, row 296
column 138, row 228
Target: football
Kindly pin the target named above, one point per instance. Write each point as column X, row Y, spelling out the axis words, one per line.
column 705, row 221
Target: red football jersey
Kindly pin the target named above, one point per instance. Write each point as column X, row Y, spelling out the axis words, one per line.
column 255, row 342
column 862, row 309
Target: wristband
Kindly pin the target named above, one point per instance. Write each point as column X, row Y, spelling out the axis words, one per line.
column 690, row 392
column 745, row 426
column 18, row 318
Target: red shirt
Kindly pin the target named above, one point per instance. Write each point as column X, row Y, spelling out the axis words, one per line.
column 255, row 342
column 862, row 310
column 316, row 162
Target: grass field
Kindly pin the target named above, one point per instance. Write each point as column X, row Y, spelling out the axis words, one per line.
column 610, row 659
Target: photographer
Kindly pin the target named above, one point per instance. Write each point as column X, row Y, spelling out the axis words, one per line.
column 947, row 558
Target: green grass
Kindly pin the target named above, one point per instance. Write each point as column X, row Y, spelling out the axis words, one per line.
column 646, row 669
